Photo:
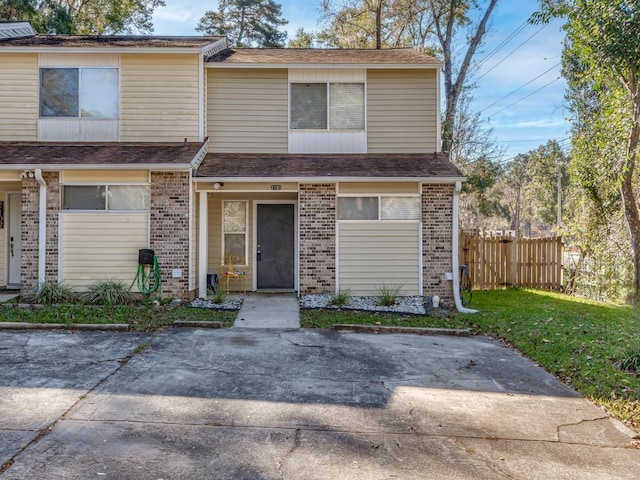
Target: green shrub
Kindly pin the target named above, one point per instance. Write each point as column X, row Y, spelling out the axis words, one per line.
column 50, row 293
column 387, row 295
column 109, row 292
column 341, row 298
column 219, row 296
column 631, row 361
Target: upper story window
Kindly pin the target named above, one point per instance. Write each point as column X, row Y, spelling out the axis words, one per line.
column 79, row 93
column 327, row 106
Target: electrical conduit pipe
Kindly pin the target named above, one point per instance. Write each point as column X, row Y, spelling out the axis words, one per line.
column 454, row 250
column 42, row 227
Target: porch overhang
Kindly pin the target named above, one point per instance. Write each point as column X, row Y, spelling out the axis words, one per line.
column 332, row 168
column 104, row 156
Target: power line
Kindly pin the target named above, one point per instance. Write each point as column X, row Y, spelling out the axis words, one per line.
column 512, row 52
column 519, row 88
column 525, row 97
column 503, row 43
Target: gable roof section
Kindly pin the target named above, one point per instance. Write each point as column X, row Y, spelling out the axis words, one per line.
column 329, row 167
column 115, row 43
column 269, row 57
column 50, row 156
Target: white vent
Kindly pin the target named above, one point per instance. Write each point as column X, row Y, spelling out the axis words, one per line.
column 16, row 30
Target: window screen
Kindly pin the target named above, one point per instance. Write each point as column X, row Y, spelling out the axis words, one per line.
column 400, row 208
column 84, row 197
column 358, row 208
column 59, row 89
column 308, row 106
column 346, row 106
column 129, row 197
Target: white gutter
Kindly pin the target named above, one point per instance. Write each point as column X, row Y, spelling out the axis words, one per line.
column 42, row 227
column 454, row 251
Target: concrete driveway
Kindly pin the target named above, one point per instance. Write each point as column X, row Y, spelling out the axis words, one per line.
column 265, row 404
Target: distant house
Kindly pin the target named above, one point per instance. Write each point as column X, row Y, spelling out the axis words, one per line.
column 317, row 169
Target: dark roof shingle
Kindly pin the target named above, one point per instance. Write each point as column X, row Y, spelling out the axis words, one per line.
column 329, row 166
column 303, row 56
column 109, row 41
column 107, row 154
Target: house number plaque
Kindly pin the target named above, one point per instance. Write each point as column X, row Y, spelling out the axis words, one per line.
column 276, row 187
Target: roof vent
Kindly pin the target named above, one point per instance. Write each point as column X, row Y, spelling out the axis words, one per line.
column 16, row 30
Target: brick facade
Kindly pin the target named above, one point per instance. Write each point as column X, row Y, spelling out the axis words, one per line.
column 30, row 223
column 30, row 226
column 437, row 217
column 169, row 230
column 317, row 238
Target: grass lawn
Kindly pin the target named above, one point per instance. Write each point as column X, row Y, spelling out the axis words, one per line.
column 140, row 318
column 577, row 340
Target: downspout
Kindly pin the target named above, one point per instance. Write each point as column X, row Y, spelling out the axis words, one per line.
column 454, row 251
column 42, row 227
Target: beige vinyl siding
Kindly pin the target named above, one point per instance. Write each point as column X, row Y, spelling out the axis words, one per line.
column 372, row 255
column 18, row 97
column 247, row 110
column 159, row 98
column 97, row 247
column 379, row 188
column 105, row 176
column 402, row 111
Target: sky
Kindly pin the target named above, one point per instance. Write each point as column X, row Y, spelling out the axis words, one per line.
column 519, row 91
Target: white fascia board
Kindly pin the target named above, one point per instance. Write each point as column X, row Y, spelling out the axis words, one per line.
column 432, row 180
column 382, row 66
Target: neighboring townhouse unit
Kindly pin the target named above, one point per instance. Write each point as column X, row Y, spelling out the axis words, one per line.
column 317, row 169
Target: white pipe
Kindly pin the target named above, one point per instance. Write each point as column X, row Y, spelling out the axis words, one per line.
column 42, row 227
column 454, row 251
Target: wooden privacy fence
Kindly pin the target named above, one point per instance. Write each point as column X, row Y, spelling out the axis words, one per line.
column 499, row 261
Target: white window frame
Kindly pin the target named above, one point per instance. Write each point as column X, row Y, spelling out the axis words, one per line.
column 246, row 232
column 78, row 115
column 379, row 196
column 328, row 102
column 106, row 208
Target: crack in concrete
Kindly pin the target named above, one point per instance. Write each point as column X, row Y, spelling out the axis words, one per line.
column 486, row 461
column 43, row 432
column 294, row 447
column 575, row 424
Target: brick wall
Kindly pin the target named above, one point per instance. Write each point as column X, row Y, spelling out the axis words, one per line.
column 29, row 236
column 52, row 179
column 169, row 232
column 437, row 216
column 317, row 238
column 30, row 230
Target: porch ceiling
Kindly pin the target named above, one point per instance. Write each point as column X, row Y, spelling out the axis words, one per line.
column 330, row 166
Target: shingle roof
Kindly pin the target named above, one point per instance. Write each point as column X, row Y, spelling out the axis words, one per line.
column 329, row 166
column 110, row 41
column 393, row 56
column 108, row 154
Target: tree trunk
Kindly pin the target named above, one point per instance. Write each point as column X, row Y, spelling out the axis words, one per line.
column 631, row 211
column 379, row 25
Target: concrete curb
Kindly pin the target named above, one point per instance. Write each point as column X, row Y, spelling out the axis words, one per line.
column 197, row 324
column 109, row 327
column 347, row 327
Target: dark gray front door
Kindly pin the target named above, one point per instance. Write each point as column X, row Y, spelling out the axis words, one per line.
column 275, row 247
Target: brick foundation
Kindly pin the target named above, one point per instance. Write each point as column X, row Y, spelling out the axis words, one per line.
column 437, row 217
column 317, row 238
column 169, row 231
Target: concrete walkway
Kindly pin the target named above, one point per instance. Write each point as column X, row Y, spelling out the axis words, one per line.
column 269, row 310
column 6, row 296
